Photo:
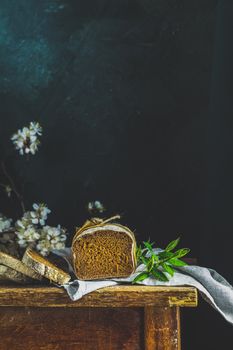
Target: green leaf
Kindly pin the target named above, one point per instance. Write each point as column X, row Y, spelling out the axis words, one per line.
column 156, row 258
column 181, row 252
column 159, row 265
column 149, row 245
column 144, row 260
column 141, row 277
column 159, row 275
column 150, row 263
column 165, row 255
column 177, row 262
column 138, row 252
column 168, row 269
column 172, row 245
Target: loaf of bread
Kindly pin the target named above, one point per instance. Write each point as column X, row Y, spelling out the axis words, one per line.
column 44, row 267
column 19, row 266
column 103, row 250
column 9, row 274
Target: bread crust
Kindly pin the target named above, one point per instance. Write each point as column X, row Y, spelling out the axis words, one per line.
column 45, row 268
column 19, row 266
column 7, row 273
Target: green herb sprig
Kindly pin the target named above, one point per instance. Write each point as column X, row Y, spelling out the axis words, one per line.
column 156, row 264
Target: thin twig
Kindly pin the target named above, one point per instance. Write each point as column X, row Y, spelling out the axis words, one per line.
column 13, row 187
column 3, row 185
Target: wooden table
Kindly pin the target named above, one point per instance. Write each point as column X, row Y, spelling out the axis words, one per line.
column 114, row 318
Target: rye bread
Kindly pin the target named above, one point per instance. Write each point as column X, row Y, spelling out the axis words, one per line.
column 103, row 250
column 19, row 266
column 9, row 274
column 44, row 267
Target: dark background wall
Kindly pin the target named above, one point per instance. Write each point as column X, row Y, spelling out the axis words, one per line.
column 135, row 100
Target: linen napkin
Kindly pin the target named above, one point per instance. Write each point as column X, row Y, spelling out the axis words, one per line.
column 212, row 286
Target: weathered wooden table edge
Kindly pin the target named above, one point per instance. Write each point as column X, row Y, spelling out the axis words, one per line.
column 116, row 296
column 161, row 306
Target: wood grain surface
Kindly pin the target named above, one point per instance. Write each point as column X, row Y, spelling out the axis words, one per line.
column 71, row 329
column 115, row 318
column 117, row 296
column 162, row 328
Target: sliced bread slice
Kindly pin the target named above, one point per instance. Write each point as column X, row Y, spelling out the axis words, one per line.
column 44, row 267
column 7, row 273
column 19, row 266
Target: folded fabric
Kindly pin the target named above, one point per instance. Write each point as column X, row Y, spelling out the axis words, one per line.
column 212, row 286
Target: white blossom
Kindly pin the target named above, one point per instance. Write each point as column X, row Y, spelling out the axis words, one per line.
column 95, row 206
column 8, row 190
column 51, row 238
column 44, row 247
column 31, row 230
column 24, row 222
column 5, row 226
column 40, row 214
column 30, row 235
column 35, row 128
column 27, row 229
column 26, row 140
column 5, row 223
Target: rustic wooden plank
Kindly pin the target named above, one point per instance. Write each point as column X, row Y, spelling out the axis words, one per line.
column 117, row 296
column 71, row 329
column 162, row 328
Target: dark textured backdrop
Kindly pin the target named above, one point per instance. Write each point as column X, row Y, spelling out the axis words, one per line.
column 136, row 104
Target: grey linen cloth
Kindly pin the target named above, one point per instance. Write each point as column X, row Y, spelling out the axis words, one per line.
column 212, row 286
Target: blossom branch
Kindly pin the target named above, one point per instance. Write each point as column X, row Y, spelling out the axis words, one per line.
column 12, row 185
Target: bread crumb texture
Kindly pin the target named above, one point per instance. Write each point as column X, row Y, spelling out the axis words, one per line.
column 103, row 254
